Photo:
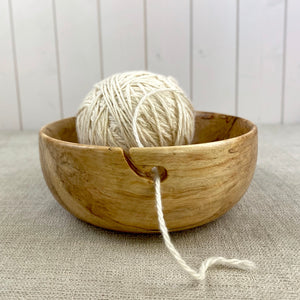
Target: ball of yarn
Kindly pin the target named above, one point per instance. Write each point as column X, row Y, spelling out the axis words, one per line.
column 139, row 104
column 137, row 109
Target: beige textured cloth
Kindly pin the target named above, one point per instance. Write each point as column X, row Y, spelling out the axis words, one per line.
column 46, row 253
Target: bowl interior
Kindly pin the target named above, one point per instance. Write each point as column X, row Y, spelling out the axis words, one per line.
column 209, row 127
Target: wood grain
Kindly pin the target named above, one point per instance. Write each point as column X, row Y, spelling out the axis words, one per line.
column 103, row 186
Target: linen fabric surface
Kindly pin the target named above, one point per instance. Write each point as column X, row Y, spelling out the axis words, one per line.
column 46, row 253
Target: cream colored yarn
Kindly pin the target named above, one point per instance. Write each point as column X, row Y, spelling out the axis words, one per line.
column 165, row 115
column 137, row 109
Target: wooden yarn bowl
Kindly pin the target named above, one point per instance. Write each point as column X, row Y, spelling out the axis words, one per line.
column 103, row 186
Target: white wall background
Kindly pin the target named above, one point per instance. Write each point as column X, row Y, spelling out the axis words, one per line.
column 238, row 57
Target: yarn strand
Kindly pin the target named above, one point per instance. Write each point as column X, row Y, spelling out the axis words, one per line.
column 201, row 274
column 141, row 108
column 135, row 115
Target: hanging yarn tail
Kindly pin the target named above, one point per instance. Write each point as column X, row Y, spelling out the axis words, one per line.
column 200, row 275
column 166, row 119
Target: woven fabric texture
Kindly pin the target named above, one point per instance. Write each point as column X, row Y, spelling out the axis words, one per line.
column 46, row 253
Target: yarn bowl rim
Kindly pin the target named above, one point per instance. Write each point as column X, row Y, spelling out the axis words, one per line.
column 203, row 165
column 253, row 130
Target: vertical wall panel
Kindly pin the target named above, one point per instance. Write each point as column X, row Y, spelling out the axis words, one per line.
column 9, row 111
column 214, row 55
column 60, row 46
column 35, row 49
column 78, row 45
column 122, row 28
column 292, row 70
column 260, row 60
column 168, row 39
